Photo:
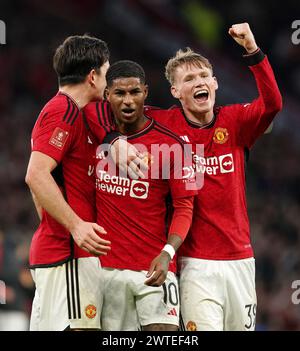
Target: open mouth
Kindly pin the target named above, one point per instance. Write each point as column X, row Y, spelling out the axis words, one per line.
column 128, row 112
column 201, row 95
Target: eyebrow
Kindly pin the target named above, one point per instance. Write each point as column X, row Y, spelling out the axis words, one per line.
column 136, row 90
column 119, row 90
column 122, row 90
column 188, row 76
column 192, row 75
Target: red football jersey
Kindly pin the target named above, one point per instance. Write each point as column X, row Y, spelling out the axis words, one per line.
column 220, row 228
column 134, row 212
column 61, row 133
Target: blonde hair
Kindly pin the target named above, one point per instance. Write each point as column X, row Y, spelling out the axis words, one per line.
column 186, row 56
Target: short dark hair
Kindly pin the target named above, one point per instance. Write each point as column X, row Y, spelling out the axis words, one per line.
column 77, row 56
column 125, row 69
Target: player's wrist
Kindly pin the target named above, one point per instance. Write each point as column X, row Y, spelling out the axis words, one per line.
column 251, row 48
column 73, row 224
column 169, row 249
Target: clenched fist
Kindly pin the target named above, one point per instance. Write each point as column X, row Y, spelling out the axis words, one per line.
column 242, row 34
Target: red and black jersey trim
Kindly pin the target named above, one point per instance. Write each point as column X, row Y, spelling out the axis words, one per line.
column 68, row 109
column 255, row 58
column 189, row 122
column 102, row 118
column 198, row 125
column 111, row 137
column 158, row 127
column 162, row 129
column 71, row 113
column 68, row 120
column 75, row 117
column 144, row 131
column 111, row 117
column 108, row 114
column 85, row 121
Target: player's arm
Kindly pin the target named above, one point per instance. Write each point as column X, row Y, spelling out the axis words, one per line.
column 183, row 189
column 181, row 222
column 38, row 207
column 257, row 116
column 50, row 198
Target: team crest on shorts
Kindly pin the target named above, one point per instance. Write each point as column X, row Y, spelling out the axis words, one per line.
column 191, row 326
column 91, row 311
column 221, row 135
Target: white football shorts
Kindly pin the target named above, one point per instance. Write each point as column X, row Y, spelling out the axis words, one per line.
column 129, row 303
column 217, row 295
column 69, row 295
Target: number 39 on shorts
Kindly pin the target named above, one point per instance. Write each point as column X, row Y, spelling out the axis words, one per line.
column 251, row 313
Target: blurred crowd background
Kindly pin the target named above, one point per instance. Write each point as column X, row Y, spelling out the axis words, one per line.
column 149, row 32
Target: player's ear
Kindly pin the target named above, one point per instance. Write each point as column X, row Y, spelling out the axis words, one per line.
column 175, row 92
column 216, row 83
column 146, row 90
column 91, row 77
column 105, row 94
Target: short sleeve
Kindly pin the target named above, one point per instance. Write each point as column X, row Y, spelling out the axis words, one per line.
column 56, row 130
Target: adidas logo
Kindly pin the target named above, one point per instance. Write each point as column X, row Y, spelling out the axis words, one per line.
column 185, row 138
column 172, row 312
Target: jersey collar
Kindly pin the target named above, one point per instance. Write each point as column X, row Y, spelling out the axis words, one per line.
column 201, row 125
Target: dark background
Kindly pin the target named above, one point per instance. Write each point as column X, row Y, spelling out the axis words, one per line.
column 149, row 32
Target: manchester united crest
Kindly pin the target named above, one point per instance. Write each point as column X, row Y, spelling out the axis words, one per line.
column 147, row 158
column 191, row 326
column 221, row 135
column 91, row 311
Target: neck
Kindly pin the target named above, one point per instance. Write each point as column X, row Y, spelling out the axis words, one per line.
column 201, row 118
column 132, row 128
column 78, row 93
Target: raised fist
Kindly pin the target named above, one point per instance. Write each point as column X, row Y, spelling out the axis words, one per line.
column 242, row 34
